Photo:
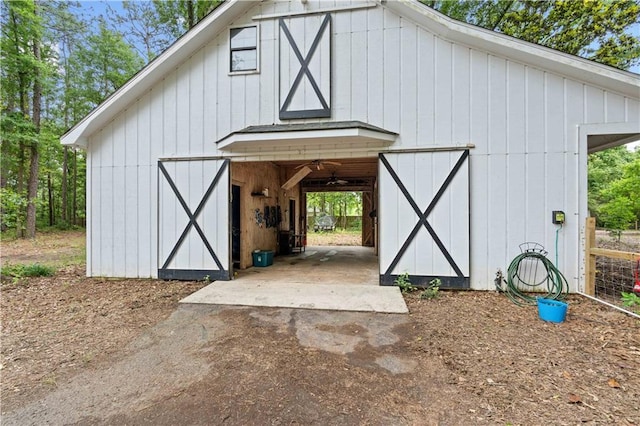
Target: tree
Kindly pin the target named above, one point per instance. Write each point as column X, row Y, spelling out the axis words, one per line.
column 142, row 28
column 599, row 30
column 621, row 205
column 24, row 56
column 105, row 63
column 338, row 204
column 32, row 187
column 604, row 168
column 49, row 64
column 70, row 32
column 178, row 16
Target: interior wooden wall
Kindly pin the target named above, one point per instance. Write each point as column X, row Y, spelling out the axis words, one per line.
column 253, row 178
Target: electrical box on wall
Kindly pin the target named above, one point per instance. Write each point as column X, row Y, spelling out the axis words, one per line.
column 557, row 217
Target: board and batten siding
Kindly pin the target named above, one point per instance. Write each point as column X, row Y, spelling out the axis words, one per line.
column 391, row 73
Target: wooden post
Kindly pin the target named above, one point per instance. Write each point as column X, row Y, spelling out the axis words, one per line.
column 367, row 221
column 589, row 257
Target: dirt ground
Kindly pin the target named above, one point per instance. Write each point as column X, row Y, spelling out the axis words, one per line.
column 57, row 248
column 335, row 238
column 84, row 351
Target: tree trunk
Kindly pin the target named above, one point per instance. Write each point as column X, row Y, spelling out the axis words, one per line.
column 507, row 7
column 4, row 148
column 4, row 173
column 35, row 154
column 64, row 189
column 32, row 192
column 50, row 199
column 344, row 222
column 190, row 14
column 75, row 187
column 65, row 158
column 24, row 109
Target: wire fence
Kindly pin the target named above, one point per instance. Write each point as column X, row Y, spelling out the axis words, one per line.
column 616, row 262
column 613, row 278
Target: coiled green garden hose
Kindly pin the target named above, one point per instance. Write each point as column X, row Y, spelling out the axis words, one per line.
column 523, row 278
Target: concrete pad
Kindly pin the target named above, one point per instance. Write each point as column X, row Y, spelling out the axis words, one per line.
column 348, row 297
column 339, row 265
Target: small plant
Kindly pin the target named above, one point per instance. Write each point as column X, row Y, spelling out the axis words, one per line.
column 87, row 357
column 50, row 380
column 404, row 283
column 631, row 300
column 432, row 291
column 22, row 271
column 616, row 234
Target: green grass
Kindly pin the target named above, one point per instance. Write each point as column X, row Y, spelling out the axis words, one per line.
column 22, row 271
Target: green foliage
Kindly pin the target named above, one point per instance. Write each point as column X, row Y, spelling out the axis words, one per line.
column 605, row 166
column 404, row 283
column 617, row 213
column 337, row 204
column 615, row 234
column 22, row 271
column 180, row 15
column 614, row 187
column 142, row 28
column 77, row 67
column 433, row 290
column 626, row 191
column 599, row 30
column 12, row 206
column 107, row 63
column 631, row 300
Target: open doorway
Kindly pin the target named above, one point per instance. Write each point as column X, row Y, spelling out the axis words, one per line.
column 278, row 219
column 334, row 218
column 235, row 225
column 614, row 204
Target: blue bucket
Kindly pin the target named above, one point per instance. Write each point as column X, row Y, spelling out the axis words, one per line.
column 552, row 310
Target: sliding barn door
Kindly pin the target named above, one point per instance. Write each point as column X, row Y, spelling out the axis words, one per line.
column 424, row 217
column 194, row 219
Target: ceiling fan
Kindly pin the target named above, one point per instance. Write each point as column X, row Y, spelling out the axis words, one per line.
column 333, row 180
column 319, row 164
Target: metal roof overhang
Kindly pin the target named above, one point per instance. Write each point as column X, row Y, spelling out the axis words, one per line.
column 601, row 142
column 346, row 134
column 601, row 136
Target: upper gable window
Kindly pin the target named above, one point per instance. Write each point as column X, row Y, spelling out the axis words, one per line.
column 244, row 49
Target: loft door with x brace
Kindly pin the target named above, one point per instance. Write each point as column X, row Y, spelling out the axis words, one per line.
column 424, row 217
column 305, row 67
column 194, row 220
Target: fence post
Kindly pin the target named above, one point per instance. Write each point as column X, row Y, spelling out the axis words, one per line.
column 589, row 258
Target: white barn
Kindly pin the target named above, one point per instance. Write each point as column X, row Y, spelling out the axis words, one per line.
column 463, row 140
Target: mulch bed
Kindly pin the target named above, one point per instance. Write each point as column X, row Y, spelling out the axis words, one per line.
column 55, row 326
column 524, row 370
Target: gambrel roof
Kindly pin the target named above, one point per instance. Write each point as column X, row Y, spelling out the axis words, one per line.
column 220, row 19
